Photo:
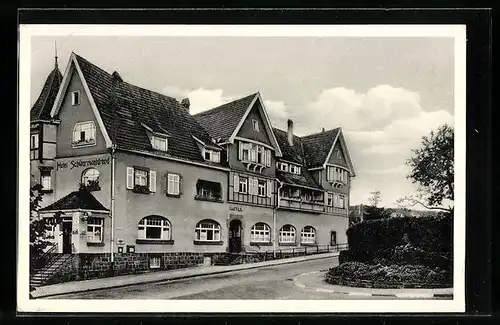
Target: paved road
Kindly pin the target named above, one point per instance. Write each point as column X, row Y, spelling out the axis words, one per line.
column 273, row 282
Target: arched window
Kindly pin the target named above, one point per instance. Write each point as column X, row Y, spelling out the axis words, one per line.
column 287, row 234
column 84, row 134
column 90, row 179
column 207, row 230
column 154, row 227
column 260, row 233
column 308, row 235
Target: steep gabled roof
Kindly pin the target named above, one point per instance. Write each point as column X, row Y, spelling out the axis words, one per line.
column 318, row 146
column 81, row 199
column 221, row 121
column 125, row 109
column 293, row 153
column 43, row 105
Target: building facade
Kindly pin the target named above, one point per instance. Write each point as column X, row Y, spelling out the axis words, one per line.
column 131, row 170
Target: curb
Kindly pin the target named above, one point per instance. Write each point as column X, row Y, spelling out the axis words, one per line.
column 182, row 277
column 369, row 294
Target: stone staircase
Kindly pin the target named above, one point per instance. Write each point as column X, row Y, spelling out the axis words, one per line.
column 47, row 267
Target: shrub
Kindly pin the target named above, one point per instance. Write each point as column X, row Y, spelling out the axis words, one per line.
column 380, row 237
column 396, row 276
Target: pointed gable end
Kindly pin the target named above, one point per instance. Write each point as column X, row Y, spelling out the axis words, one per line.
column 72, row 66
column 261, row 114
column 339, row 153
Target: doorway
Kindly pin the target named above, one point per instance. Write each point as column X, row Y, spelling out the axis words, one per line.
column 235, row 229
column 333, row 238
column 67, row 229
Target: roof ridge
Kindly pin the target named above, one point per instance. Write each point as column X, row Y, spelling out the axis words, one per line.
column 321, row 132
column 213, row 109
column 124, row 81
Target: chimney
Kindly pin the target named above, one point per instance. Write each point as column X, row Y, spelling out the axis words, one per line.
column 185, row 103
column 290, row 132
column 322, row 130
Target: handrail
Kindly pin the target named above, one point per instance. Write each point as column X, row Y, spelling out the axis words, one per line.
column 305, row 250
column 44, row 258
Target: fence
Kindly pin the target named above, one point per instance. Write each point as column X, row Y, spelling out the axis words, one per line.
column 299, row 251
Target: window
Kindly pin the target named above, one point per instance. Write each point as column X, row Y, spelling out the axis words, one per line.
column 283, row 167
column 308, row 235
column 90, row 179
column 34, row 149
column 335, row 174
column 338, row 154
column 329, row 199
column 84, row 133
column 307, row 196
column 75, row 98
column 155, row 262
column 140, row 177
column 243, row 188
column 262, row 188
column 207, row 230
column 173, row 184
column 287, row 234
column 251, row 152
column 207, row 190
column 212, row 155
column 141, row 180
column 94, row 230
column 260, row 233
column 154, row 227
column 260, row 155
column 341, row 201
column 338, row 200
column 46, row 180
column 245, row 151
column 255, row 125
column 159, row 143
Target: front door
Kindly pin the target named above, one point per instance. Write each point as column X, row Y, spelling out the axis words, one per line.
column 235, row 236
column 66, row 240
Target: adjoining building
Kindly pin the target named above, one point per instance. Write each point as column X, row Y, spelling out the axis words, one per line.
column 132, row 171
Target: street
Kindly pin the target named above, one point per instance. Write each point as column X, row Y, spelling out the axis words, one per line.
column 273, row 282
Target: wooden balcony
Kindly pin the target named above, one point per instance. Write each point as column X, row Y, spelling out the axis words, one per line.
column 302, row 205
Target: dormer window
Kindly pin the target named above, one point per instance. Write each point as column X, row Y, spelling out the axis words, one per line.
column 211, row 155
column 159, row 143
column 294, row 169
column 75, row 98
column 283, row 167
column 255, row 125
column 84, row 134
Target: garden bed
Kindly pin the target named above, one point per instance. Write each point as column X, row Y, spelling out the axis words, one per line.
column 356, row 274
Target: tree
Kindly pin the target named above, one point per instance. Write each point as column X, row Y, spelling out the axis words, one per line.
column 38, row 225
column 374, row 198
column 432, row 169
column 372, row 211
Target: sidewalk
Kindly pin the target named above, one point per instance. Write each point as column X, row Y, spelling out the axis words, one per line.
column 315, row 281
column 160, row 276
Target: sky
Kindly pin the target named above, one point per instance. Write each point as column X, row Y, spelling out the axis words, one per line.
column 385, row 93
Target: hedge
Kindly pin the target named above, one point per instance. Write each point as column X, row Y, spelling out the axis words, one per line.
column 380, row 237
column 389, row 276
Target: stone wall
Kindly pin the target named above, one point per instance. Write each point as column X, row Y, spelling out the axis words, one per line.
column 91, row 266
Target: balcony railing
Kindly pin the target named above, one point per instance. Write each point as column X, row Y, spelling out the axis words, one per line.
column 299, row 204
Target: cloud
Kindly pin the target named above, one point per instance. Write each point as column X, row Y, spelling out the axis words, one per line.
column 381, row 126
column 201, row 99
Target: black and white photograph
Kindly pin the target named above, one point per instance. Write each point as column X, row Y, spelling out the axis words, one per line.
column 249, row 168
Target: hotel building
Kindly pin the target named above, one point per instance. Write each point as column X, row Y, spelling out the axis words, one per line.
column 130, row 170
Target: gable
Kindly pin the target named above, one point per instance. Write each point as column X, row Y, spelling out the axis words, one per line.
column 70, row 115
column 247, row 131
column 338, row 156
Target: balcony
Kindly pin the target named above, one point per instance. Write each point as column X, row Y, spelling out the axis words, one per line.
column 302, row 205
